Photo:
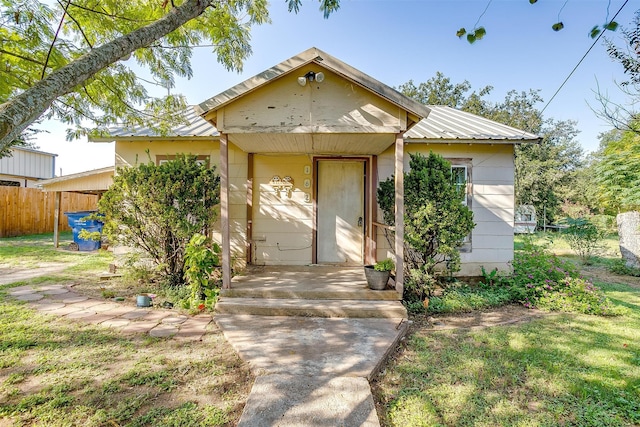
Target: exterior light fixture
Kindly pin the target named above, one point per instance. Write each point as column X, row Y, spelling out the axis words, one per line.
column 311, row 76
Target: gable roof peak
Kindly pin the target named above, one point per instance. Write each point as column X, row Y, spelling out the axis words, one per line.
column 328, row 62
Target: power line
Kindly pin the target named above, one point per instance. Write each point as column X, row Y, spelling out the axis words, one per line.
column 582, row 59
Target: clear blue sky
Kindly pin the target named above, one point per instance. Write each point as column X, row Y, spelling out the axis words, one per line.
column 398, row 40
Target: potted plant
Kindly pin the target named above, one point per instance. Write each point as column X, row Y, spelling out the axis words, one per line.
column 378, row 274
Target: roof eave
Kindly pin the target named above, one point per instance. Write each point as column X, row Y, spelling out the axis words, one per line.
column 154, row 138
column 503, row 141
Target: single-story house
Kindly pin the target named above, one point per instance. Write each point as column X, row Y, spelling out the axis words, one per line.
column 301, row 148
column 26, row 166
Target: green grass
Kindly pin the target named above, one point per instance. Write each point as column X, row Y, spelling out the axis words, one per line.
column 557, row 244
column 57, row 372
column 32, row 251
column 564, row 369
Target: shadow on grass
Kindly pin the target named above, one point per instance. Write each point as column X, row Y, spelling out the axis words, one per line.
column 563, row 370
column 57, row 372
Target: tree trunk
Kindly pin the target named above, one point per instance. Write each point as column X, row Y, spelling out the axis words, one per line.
column 629, row 234
column 20, row 111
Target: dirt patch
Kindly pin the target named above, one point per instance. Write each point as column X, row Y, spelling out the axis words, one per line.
column 12, row 275
column 601, row 274
column 506, row 315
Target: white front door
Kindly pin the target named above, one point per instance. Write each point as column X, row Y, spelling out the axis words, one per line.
column 340, row 202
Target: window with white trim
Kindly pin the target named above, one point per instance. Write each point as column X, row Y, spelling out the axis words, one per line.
column 461, row 178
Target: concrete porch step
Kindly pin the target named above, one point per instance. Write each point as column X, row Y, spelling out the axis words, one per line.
column 326, row 294
column 311, row 307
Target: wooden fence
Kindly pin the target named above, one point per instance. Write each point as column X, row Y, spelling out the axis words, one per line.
column 25, row 211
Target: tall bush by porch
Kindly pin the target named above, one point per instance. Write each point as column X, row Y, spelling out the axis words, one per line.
column 156, row 209
column 436, row 221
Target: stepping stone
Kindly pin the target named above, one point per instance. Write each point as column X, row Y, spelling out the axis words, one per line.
column 163, row 331
column 49, row 306
column 21, row 290
column 56, row 291
column 98, row 318
column 66, row 309
column 193, row 329
column 158, row 315
column 74, row 300
column 90, row 303
column 115, row 323
column 136, row 314
column 105, row 306
column 30, row 297
column 139, row 327
column 174, row 320
column 50, row 287
column 80, row 314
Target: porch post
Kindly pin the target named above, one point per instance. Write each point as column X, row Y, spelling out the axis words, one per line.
column 399, row 211
column 224, row 211
column 57, row 197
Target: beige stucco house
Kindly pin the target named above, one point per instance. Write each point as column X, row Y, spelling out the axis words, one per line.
column 301, row 148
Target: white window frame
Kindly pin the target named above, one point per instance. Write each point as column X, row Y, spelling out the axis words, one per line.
column 466, row 164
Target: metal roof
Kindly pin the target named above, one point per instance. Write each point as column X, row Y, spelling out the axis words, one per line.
column 194, row 126
column 322, row 59
column 446, row 123
column 442, row 124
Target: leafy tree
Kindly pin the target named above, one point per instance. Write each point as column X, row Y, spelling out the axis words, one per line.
column 436, row 222
column 624, row 117
column 157, row 209
column 547, row 172
column 68, row 59
column 617, row 171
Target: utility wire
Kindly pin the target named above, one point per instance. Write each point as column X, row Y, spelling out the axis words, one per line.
column 582, row 59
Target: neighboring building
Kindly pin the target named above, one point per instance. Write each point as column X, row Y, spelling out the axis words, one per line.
column 26, row 166
column 301, row 149
column 525, row 220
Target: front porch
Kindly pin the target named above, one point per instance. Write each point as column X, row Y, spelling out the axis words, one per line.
column 309, row 291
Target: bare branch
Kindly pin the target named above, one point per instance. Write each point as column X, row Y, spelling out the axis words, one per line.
column 53, row 42
column 86, row 39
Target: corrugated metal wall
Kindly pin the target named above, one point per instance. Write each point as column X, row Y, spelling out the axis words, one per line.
column 28, row 164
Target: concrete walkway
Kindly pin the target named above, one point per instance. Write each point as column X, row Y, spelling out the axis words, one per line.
column 61, row 301
column 311, row 371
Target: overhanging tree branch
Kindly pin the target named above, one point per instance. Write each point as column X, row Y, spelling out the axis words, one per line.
column 17, row 113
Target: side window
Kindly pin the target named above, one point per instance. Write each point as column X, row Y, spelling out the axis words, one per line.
column 161, row 159
column 461, row 176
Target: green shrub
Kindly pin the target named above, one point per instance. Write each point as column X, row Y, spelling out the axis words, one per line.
column 436, row 221
column 575, row 295
column 200, row 261
column 584, row 238
column 156, row 209
column 619, row 266
column 542, row 280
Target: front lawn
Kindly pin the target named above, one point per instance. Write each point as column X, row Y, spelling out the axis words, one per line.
column 59, row 372
column 562, row 369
